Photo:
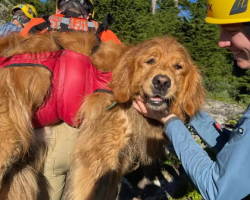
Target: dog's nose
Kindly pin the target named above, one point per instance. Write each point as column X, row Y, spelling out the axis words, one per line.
column 161, row 82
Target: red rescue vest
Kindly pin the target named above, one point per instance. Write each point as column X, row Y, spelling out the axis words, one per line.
column 74, row 76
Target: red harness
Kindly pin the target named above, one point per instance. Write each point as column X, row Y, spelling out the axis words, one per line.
column 74, row 76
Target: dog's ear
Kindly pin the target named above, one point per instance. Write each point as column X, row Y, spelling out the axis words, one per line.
column 193, row 96
column 121, row 78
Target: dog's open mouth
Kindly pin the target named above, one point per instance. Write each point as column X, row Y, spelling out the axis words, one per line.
column 157, row 101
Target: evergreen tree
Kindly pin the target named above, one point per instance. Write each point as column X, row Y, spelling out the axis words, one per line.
column 167, row 20
column 133, row 19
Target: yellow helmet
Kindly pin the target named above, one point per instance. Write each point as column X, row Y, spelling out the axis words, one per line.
column 228, row 11
column 27, row 9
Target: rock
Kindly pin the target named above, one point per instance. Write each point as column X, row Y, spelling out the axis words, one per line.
column 5, row 7
column 223, row 112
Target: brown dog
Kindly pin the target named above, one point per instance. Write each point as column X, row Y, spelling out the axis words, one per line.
column 113, row 137
column 23, row 89
column 111, row 141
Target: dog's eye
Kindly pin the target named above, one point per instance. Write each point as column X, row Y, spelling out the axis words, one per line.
column 177, row 66
column 150, row 61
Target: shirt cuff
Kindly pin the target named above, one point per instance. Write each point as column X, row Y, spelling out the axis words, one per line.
column 174, row 118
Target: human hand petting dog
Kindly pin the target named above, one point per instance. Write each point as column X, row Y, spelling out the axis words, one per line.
column 141, row 107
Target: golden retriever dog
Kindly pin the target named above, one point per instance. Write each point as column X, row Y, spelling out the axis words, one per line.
column 24, row 89
column 113, row 137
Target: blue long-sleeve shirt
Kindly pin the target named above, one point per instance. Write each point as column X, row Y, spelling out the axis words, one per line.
column 227, row 178
column 8, row 28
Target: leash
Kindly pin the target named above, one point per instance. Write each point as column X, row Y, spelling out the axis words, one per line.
column 107, row 91
column 112, row 105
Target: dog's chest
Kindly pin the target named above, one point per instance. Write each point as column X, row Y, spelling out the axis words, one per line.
column 146, row 142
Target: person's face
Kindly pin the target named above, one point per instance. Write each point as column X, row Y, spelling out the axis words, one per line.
column 234, row 37
column 22, row 16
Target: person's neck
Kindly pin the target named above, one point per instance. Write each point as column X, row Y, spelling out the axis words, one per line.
column 16, row 23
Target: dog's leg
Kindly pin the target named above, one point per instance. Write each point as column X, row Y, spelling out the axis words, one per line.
column 22, row 91
column 96, row 171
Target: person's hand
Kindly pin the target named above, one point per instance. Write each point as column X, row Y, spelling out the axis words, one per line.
column 140, row 106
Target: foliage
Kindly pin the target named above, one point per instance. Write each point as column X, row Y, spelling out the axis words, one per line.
column 186, row 191
column 172, row 160
column 234, row 121
column 135, row 23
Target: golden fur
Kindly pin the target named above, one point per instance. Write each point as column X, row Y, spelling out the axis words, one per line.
column 22, row 91
column 110, row 142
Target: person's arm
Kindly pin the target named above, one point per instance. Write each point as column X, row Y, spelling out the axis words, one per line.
column 205, row 127
column 8, row 28
column 226, row 178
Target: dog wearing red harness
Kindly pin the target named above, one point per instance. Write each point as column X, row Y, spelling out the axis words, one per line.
column 48, row 78
column 43, row 80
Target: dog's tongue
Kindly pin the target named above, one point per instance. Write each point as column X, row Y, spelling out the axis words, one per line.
column 155, row 99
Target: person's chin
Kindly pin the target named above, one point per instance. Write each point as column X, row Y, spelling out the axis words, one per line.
column 243, row 64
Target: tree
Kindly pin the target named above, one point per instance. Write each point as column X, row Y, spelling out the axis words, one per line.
column 153, row 6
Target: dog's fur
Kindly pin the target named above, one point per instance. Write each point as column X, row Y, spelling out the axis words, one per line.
column 110, row 142
column 22, row 91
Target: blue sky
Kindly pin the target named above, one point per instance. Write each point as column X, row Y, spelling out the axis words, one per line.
column 192, row 0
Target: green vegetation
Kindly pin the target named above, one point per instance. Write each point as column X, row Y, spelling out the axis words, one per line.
column 136, row 23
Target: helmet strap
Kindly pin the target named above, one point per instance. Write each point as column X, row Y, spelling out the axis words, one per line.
column 21, row 20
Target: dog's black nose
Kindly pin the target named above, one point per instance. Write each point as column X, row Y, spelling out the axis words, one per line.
column 161, row 82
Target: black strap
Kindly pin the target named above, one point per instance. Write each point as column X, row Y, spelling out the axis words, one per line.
column 107, row 21
column 69, row 13
column 64, row 27
column 27, row 65
column 103, row 90
column 42, row 26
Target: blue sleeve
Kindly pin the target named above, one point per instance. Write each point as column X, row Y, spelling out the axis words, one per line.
column 8, row 28
column 228, row 177
column 204, row 126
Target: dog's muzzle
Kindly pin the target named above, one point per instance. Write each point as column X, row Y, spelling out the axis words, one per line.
column 161, row 84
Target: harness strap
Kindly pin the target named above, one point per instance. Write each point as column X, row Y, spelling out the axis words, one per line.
column 103, row 90
column 42, row 26
column 27, row 65
column 107, row 21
